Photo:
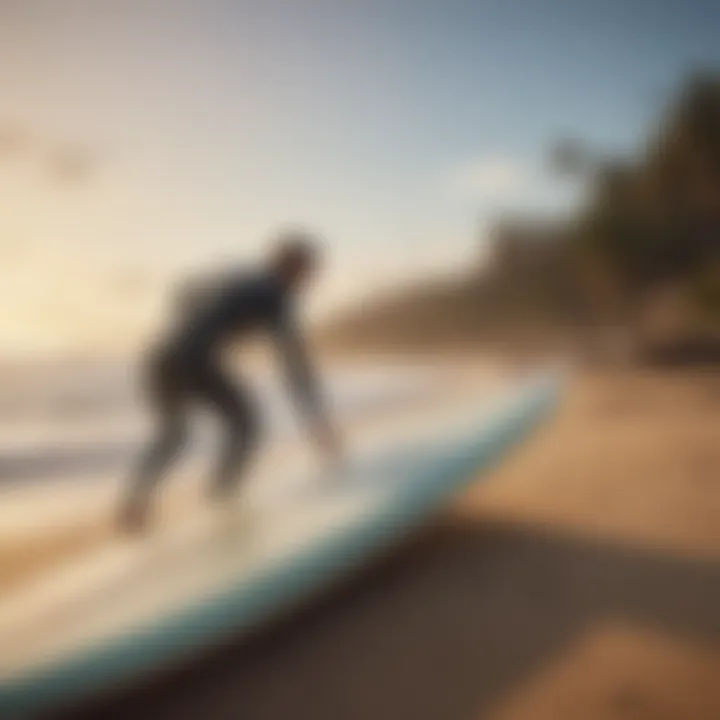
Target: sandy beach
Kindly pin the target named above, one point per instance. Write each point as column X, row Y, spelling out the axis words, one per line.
column 581, row 579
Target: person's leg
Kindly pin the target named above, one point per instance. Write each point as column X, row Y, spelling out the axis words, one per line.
column 168, row 398
column 242, row 427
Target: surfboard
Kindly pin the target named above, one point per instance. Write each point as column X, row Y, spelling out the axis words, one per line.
column 140, row 605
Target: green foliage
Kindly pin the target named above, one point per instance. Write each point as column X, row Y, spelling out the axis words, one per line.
column 657, row 219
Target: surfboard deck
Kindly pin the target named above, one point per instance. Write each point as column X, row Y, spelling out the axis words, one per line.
column 142, row 604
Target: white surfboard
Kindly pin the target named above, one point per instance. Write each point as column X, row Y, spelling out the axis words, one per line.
column 137, row 605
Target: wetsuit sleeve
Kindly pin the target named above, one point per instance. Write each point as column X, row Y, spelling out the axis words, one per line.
column 299, row 371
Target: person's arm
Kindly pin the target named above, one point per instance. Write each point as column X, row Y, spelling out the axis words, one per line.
column 303, row 384
column 194, row 292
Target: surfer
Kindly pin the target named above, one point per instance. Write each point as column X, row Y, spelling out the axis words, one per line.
column 186, row 368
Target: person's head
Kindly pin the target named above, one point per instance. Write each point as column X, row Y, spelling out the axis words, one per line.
column 296, row 257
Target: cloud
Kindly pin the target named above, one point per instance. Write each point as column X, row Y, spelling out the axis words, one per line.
column 489, row 178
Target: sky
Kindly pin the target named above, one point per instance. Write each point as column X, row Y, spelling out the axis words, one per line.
column 398, row 129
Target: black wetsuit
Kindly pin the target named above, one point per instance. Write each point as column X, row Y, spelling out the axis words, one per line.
column 186, row 368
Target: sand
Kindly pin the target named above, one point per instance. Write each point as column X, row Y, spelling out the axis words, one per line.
column 581, row 580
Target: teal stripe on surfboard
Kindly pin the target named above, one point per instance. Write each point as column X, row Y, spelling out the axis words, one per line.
column 281, row 586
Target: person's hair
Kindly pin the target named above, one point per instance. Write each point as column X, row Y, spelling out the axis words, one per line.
column 295, row 249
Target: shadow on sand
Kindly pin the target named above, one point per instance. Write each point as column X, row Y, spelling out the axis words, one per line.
column 443, row 629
